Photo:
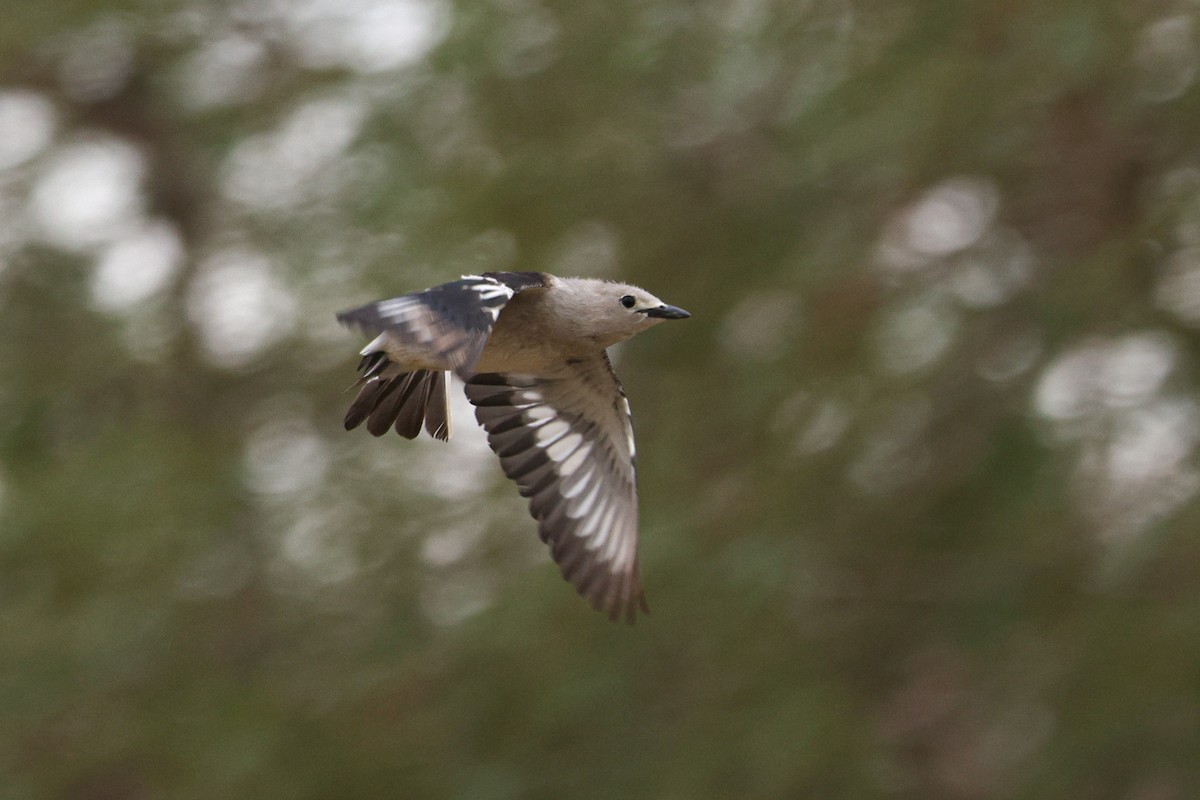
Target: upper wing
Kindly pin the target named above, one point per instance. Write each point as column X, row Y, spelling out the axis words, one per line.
column 453, row 320
column 567, row 441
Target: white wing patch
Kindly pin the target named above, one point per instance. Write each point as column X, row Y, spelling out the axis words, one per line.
column 564, row 447
column 489, row 289
column 628, row 428
column 548, row 431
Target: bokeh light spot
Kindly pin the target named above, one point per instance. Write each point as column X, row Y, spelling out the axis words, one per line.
column 89, row 193
column 136, row 266
column 239, row 307
column 27, row 123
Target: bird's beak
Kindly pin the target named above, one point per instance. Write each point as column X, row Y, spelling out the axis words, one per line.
column 666, row 312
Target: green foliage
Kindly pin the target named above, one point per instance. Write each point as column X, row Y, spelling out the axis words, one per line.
column 918, row 479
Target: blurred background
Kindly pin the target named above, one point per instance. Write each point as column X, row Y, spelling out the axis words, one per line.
column 919, row 478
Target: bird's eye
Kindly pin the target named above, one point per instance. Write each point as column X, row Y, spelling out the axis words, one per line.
column 629, row 301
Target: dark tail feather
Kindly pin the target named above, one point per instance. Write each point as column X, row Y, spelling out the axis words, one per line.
column 405, row 400
column 410, row 409
column 437, row 415
column 368, row 396
column 391, row 401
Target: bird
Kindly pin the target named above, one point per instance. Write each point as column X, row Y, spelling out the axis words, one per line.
column 531, row 351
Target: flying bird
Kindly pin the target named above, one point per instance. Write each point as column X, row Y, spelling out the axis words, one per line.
column 531, row 350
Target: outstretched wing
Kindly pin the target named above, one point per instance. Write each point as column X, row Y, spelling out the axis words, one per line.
column 567, row 442
column 450, row 323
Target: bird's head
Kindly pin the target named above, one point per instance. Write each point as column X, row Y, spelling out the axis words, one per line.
column 610, row 312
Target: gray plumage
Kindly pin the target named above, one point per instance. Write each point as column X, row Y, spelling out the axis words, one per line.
column 530, row 348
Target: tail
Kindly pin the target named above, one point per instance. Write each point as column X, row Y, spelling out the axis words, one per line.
column 405, row 399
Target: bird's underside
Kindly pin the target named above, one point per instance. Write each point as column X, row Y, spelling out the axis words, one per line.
column 563, row 435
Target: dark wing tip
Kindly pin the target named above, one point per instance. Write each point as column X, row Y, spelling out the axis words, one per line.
column 617, row 595
column 635, row 601
column 627, row 609
column 361, row 318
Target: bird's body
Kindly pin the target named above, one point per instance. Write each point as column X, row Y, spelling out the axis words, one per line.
column 531, row 350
